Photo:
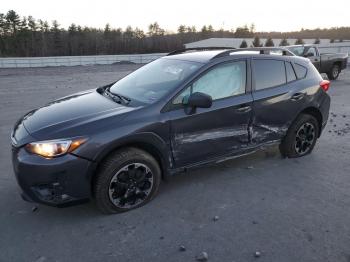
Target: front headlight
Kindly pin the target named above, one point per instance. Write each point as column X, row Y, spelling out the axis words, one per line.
column 53, row 148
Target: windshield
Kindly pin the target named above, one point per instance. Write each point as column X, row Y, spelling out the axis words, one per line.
column 154, row 80
column 297, row 50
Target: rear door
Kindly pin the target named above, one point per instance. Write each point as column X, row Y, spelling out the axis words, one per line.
column 277, row 98
column 216, row 131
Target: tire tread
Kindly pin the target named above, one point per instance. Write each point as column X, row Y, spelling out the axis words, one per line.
column 108, row 166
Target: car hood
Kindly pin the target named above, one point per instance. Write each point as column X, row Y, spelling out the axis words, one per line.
column 74, row 111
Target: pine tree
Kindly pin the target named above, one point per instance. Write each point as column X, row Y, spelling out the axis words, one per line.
column 181, row 29
column 256, row 42
column 13, row 20
column 269, row 42
column 57, row 38
column 299, row 41
column 3, row 24
column 32, row 24
column 243, row 44
column 243, row 32
column 284, row 42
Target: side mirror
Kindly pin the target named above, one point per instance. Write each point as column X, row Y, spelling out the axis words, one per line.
column 309, row 55
column 198, row 99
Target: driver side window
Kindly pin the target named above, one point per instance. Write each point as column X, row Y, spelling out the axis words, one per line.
column 224, row 80
column 311, row 51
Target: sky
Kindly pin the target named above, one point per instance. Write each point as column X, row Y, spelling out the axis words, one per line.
column 267, row 15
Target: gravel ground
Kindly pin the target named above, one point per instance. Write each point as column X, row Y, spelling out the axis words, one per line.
column 255, row 208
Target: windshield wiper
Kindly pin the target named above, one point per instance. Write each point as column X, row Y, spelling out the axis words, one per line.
column 117, row 97
column 121, row 97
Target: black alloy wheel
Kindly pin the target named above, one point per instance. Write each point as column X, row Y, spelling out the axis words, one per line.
column 131, row 185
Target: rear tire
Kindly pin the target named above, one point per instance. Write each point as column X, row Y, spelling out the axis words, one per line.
column 129, row 178
column 301, row 137
column 334, row 72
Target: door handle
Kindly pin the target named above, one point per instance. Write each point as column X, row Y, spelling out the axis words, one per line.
column 244, row 109
column 297, row 96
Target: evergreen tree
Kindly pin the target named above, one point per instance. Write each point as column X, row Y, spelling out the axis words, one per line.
column 269, row 42
column 256, row 42
column 284, row 42
column 13, row 20
column 56, row 38
column 243, row 32
column 3, row 24
column 155, row 30
column 299, row 41
column 139, row 33
column 243, row 44
column 181, row 29
column 21, row 36
column 32, row 24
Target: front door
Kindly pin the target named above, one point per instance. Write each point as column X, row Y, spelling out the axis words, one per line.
column 314, row 57
column 206, row 133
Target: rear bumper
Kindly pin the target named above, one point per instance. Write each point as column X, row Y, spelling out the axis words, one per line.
column 61, row 181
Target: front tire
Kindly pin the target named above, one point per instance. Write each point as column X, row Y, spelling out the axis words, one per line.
column 126, row 180
column 301, row 137
column 334, row 72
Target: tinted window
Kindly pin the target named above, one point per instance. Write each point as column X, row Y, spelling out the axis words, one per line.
column 290, row 72
column 269, row 73
column 300, row 71
column 222, row 81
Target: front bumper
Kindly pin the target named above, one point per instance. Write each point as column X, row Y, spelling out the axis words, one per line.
column 61, row 181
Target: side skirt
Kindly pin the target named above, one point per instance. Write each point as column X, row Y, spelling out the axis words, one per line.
column 246, row 151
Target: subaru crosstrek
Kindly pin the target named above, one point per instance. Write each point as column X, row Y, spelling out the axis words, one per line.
column 114, row 144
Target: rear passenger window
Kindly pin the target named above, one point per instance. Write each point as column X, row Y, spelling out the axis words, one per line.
column 269, row 73
column 290, row 72
column 300, row 71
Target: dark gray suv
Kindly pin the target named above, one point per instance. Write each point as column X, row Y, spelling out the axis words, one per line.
column 115, row 143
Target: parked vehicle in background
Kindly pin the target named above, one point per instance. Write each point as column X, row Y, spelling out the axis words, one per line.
column 330, row 63
column 115, row 143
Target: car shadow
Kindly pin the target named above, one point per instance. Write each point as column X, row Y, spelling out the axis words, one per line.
column 244, row 165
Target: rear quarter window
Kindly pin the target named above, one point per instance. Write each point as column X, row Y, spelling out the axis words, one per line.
column 290, row 72
column 268, row 73
column 300, row 71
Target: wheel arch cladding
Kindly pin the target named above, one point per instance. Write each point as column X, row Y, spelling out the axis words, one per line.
column 315, row 112
column 338, row 63
column 145, row 146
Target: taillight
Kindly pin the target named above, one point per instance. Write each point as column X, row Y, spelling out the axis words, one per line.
column 325, row 84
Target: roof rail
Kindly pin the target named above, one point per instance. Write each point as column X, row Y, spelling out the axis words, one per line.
column 180, row 51
column 261, row 50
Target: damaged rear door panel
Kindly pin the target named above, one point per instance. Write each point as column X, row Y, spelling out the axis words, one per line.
column 278, row 98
